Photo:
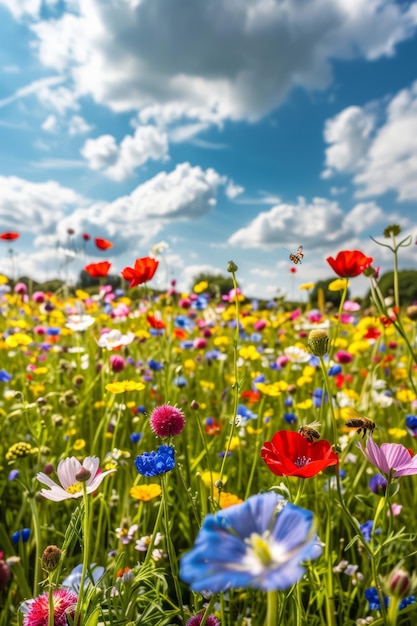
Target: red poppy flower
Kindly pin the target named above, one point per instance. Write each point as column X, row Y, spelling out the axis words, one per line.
column 143, row 270
column 9, row 236
column 103, row 244
column 155, row 322
column 290, row 454
column 349, row 263
column 86, row 237
column 98, row 270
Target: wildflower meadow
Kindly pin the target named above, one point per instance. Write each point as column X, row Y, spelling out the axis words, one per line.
column 182, row 459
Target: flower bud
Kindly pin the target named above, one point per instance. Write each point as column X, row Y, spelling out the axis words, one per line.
column 232, row 267
column 50, row 558
column 319, row 342
column 412, row 312
column 194, row 405
column 83, row 475
column 399, row 583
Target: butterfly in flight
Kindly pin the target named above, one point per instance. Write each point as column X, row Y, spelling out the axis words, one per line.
column 296, row 258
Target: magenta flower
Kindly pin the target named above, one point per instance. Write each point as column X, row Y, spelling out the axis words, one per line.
column 392, row 459
column 167, row 420
column 37, row 610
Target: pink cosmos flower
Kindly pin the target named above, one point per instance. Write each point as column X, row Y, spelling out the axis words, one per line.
column 391, row 458
column 37, row 610
column 68, row 471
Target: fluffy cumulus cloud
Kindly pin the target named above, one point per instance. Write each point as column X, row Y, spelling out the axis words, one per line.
column 185, row 193
column 323, row 224
column 34, row 207
column 379, row 150
column 119, row 162
column 211, row 60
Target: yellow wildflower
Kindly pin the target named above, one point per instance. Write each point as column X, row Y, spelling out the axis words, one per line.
column 304, row 380
column 249, row 353
column 209, row 478
column 399, row 373
column 306, row 286
column 18, row 339
column 405, row 395
column 227, row 499
column 3, row 279
column 222, row 341
column 253, row 431
column 81, row 294
column 273, row 390
column 124, row 385
column 207, row 385
column 306, row 404
column 40, row 370
column 397, row 433
column 338, row 285
column 201, row 286
column 145, row 493
column 142, row 334
column 189, row 365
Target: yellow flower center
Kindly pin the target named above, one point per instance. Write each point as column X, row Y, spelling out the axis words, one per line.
column 261, row 548
column 74, row 488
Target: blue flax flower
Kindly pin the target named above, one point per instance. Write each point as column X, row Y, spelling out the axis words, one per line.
column 371, row 594
column 155, row 463
column 5, row 377
column 260, row 544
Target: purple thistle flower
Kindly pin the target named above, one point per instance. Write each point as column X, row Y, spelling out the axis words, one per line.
column 392, row 459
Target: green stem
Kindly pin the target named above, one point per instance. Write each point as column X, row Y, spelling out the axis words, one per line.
column 236, row 383
column 329, row 399
column 271, row 608
column 37, row 534
column 51, row 607
column 86, row 551
column 173, row 562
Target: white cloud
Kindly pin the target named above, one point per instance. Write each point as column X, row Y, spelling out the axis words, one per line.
column 21, row 8
column 120, row 162
column 34, row 207
column 78, row 126
column 61, row 99
column 349, row 136
column 287, row 224
column 315, row 225
column 50, row 125
column 218, row 60
column 186, row 193
column 233, row 191
column 382, row 158
column 35, row 87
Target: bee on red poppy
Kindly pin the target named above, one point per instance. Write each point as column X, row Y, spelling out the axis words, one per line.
column 103, row 244
column 296, row 258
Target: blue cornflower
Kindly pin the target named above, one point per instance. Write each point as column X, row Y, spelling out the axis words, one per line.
column 290, row 418
column 371, row 594
column 334, row 370
column 245, row 413
column 366, row 530
column 260, row 544
column 53, row 331
column 155, row 463
column 180, row 381
column 411, row 425
column 288, row 401
column 135, row 437
column 156, row 366
column 378, row 484
column 5, row 377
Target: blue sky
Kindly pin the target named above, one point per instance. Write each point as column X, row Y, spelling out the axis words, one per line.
column 228, row 130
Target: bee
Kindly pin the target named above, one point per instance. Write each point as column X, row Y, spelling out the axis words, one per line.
column 296, row 258
column 309, row 432
column 362, row 423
